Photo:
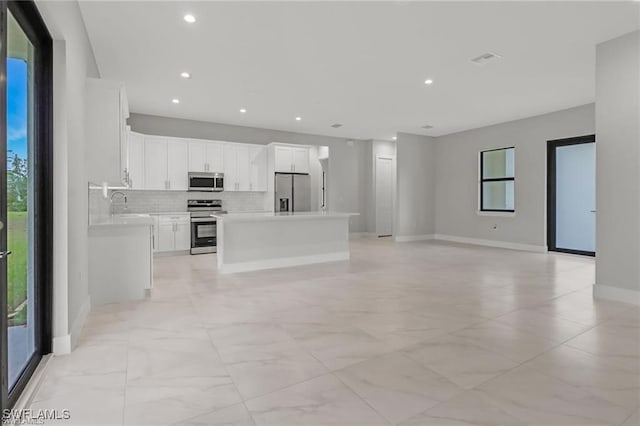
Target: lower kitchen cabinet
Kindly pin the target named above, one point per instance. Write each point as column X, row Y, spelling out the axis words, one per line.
column 173, row 233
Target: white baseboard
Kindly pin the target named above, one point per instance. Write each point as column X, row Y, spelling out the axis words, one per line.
column 616, row 294
column 409, row 238
column 357, row 235
column 491, row 243
column 283, row 262
column 61, row 345
column 78, row 323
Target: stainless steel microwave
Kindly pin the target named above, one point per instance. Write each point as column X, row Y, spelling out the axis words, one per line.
column 206, row 182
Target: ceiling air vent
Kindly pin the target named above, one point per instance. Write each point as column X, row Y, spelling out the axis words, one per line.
column 485, row 57
column 427, row 127
column 336, row 126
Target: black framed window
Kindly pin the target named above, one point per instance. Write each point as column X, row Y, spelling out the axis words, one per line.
column 497, row 180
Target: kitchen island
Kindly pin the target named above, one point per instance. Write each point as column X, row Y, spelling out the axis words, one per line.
column 253, row 241
column 120, row 258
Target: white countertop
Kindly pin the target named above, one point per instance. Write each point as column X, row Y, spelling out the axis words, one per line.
column 130, row 219
column 257, row 216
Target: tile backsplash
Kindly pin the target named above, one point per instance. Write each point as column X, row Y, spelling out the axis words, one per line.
column 176, row 201
column 98, row 205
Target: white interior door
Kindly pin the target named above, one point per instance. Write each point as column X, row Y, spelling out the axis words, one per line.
column 384, row 196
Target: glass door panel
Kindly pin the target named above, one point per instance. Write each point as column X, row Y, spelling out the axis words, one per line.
column 571, row 195
column 576, row 197
column 21, row 330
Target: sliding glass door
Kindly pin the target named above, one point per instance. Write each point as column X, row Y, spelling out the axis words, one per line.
column 25, row 195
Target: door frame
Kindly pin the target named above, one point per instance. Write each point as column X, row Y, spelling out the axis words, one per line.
column 392, row 158
column 28, row 17
column 551, row 190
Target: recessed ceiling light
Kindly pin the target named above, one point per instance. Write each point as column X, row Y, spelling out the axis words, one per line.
column 336, row 125
column 428, row 81
column 395, row 138
column 242, row 110
column 175, row 101
column 298, row 118
column 185, row 75
column 427, row 126
column 190, row 18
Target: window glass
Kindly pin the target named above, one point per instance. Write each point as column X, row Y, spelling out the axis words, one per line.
column 498, row 163
column 497, row 183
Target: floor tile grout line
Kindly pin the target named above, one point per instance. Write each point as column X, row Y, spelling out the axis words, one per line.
column 361, row 398
column 126, row 381
column 630, row 415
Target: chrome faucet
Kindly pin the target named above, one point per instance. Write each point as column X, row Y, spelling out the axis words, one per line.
column 123, row 196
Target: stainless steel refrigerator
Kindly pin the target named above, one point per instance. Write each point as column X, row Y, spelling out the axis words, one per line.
column 293, row 193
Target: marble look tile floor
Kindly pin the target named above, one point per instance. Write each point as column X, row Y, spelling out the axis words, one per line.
column 421, row 333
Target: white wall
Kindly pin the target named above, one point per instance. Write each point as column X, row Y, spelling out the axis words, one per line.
column 346, row 158
column 416, row 183
column 458, row 175
column 618, row 168
column 73, row 62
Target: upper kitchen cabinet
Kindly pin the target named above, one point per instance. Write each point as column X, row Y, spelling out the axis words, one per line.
column 236, row 167
column 136, row 160
column 291, row 159
column 107, row 111
column 177, row 165
column 165, row 164
column 206, row 156
column 257, row 168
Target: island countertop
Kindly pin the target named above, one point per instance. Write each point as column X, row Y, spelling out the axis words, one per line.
column 131, row 219
column 260, row 216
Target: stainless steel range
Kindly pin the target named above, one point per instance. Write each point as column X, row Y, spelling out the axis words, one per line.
column 203, row 224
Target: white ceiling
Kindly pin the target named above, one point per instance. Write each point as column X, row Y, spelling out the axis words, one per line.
column 362, row 64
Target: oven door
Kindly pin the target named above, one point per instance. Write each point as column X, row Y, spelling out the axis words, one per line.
column 203, row 235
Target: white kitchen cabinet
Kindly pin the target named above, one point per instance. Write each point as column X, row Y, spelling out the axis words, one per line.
column 166, row 239
column 284, row 159
column 206, row 156
column 290, row 159
column 257, row 168
column 107, row 111
column 174, row 233
column 155, row 163
column 236, row 167
column 136, row 160
column 165, row 164
column 177, row 165
column 182, row 236
column 242, row 157
column 300, row 160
